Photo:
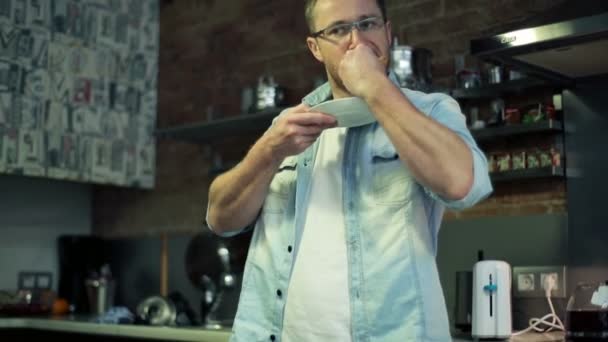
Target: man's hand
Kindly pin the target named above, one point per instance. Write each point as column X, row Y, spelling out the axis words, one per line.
column 358, row 68
column 296, row 130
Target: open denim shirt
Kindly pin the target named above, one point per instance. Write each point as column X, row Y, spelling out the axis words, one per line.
column 392, row 224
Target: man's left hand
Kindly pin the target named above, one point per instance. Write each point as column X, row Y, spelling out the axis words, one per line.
column 358, row 69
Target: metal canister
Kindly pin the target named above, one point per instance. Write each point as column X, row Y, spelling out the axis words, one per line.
column 100, row 293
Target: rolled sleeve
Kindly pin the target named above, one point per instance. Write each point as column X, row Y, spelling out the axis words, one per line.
column 447, row 112
column 250, row 227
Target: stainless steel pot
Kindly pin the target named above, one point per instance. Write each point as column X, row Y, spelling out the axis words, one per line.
column 412, row 66
column 157, row 310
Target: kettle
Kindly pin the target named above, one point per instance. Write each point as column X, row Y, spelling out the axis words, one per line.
column 491, row 300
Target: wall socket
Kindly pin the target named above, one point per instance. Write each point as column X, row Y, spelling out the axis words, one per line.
column 528, row 281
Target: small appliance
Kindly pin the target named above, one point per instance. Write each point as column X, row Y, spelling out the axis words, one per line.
column 587, row 313
column 491, row 300
column 464, row 301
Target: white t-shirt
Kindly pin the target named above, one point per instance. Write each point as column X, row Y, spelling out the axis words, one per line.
column 317, row 304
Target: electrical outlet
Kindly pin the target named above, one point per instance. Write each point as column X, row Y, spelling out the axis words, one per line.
column 530, row 281
column 525, row 282
column 544, row 278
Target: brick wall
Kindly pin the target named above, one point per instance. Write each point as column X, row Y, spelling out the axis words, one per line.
column 210, row 50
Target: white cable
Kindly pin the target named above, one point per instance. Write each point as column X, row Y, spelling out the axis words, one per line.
column 556, row 323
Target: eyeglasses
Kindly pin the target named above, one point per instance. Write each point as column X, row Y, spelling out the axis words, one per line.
column 341, row 31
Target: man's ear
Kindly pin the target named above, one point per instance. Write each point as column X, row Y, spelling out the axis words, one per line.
column 314, row 48
column 389, row 33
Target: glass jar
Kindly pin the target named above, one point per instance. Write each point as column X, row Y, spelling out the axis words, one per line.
column 587, row 313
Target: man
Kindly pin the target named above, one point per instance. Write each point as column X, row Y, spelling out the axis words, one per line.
column 346, row 219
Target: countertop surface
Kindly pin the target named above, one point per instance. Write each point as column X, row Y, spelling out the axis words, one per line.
column 526, row 337
column 85, row 325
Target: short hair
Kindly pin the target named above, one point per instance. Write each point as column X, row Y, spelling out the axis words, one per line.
column 310, row 6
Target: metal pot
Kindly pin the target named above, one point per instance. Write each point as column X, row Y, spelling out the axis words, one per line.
column 157, row 310
column 412, row 66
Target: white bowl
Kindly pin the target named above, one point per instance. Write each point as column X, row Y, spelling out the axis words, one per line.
column 349, row 112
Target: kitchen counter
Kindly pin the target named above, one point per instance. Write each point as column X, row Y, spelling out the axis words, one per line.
column 527, row 337
column 83, row 325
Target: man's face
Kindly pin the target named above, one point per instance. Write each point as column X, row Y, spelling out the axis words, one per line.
column 331, row 51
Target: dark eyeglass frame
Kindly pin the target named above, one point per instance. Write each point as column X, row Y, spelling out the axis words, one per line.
column 351, row 26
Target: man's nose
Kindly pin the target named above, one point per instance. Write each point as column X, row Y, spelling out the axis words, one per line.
column 356, row 37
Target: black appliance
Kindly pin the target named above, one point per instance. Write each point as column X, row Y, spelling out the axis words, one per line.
column 79, row 257
column 463, row 309
column 567, row 43
column 215, row 265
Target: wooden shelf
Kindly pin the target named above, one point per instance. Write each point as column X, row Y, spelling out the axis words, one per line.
column 490, row 133
column 545, row 172
column 500, row 89
column 208, row 131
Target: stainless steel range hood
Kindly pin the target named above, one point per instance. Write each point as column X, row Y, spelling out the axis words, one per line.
column 565, row 50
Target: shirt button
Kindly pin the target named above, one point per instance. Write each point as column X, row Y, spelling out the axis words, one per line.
column 279, row 293
column 289, row 249
column 272, row 337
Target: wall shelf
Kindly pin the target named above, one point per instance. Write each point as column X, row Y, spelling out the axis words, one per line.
column 216, row 129
column 490, row 133
column 500, row 89
column 545, row 172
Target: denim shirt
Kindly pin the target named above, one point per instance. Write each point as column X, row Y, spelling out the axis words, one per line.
column 392, row 224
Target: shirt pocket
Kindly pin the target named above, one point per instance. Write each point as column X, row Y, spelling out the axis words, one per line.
column 392, row 183
column 281, row 187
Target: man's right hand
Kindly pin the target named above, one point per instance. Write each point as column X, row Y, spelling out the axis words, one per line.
column 296, row 130
column 236, row 197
